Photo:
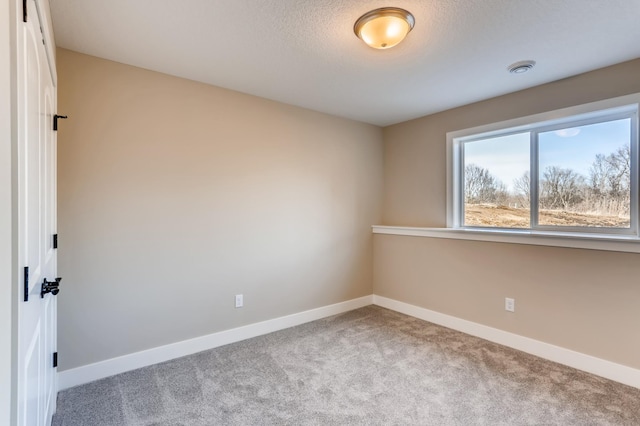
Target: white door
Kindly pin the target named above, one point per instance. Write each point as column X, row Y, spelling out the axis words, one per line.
column 36, row 100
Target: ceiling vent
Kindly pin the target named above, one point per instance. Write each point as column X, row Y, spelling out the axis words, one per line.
column 521, row 67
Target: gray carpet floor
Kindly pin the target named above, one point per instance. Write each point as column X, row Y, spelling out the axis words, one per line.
column 370, row 366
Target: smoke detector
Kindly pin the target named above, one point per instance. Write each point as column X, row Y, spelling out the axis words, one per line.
column 521, row 67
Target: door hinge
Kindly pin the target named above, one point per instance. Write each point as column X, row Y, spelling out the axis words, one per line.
column 55, row 120
column 55, row 359
column 55, row 241
column 24, row 10
column 26, row 283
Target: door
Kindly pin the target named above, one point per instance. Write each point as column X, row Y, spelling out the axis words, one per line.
column 36, row 102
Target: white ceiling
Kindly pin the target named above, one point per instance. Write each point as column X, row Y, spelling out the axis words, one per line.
column 304, row 52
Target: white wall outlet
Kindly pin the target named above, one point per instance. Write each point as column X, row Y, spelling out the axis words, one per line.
column 509, row 304
column 239, row 301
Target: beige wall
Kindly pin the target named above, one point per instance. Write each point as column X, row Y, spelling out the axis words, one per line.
column 174, row 196
column 583, row 300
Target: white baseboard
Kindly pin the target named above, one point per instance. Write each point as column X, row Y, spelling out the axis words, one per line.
column 600, row 367
column 102, row 369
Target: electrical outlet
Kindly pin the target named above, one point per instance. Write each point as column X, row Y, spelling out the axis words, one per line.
column 509, row 304
column 239, row 301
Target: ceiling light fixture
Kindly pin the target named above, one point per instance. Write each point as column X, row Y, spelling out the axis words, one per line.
column 385, row 27
column 521, row 67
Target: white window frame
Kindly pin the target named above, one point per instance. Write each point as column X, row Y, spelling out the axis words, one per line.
column 606, row 110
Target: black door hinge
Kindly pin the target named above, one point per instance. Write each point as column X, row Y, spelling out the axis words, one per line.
column 55, row 241
column 55, row 120
column 55, row 359
column 26, row 283
column 24, row 10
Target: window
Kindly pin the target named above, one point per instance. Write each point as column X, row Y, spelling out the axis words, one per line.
column 568, row 171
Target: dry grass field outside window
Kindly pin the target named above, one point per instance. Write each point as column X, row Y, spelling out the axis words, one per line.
column 500, row 216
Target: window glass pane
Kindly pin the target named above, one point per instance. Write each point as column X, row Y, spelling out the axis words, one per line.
column 584, row 175
column 496, row 182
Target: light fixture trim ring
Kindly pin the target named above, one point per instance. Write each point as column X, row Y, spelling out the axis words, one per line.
column 382, row 12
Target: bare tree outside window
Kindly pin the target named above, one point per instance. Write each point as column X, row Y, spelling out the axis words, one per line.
column 522, row 188
column 482, row 187
column 610, row 182
column 561, row 188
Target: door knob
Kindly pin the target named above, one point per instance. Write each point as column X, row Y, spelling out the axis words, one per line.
column 50, row 287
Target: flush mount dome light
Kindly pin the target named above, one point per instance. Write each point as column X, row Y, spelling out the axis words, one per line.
column 521, row 67
column 385, row 27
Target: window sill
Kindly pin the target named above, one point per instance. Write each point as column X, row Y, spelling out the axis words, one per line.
column 621, row 243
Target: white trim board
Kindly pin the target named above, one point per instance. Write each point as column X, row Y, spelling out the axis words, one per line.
column 600, row 367
column 99, row 370
column 622, row 243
